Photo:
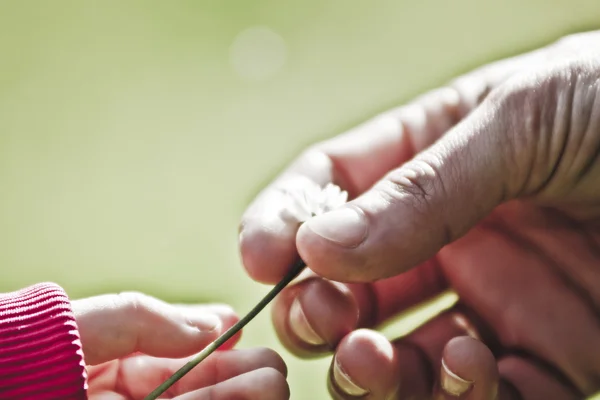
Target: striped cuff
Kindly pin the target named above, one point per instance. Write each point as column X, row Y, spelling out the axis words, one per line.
column 40, row 350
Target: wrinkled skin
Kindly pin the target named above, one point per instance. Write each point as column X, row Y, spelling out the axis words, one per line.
column 489, row 186
column 133, row 342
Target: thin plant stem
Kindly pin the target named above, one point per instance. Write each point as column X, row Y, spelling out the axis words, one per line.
column 208, row 350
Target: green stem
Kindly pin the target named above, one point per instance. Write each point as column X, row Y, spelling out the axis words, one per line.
column 208, row 350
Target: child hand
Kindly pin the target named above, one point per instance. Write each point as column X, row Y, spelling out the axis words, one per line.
column 133, row 342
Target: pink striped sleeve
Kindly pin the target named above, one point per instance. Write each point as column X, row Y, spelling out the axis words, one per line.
column 40, row 350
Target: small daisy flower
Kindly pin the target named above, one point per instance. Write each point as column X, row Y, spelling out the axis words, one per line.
column 312, row 200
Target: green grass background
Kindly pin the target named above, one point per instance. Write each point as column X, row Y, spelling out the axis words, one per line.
column 129, row 147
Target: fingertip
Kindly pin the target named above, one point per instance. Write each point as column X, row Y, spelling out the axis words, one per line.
column 226, row 313
column 312, row 316
column 272, row 359
column 260, row 384
column 226, row 321
column 311, row 248
column 280, row 312
column 468, row 366
column 331, row 309
column 346, row 227
column 470, row 358
column 301, row 327
column 223, row 312
column 355, row 243
column 205, row 323
column 179, row 331
column 325, row 256
column 267, row 249
column 365, row 363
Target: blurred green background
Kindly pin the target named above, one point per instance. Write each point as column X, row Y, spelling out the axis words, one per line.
column 133, row 134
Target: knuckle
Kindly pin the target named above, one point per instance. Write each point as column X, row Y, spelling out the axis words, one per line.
column 525, row 111
column 417, row 181
column 421, row 187
column 426, row 118
column 567, row 41
column 577, row 42
column 520, row 90
column 472, row 89
column 311, row 158
column 133, row 302
column 538, row 109
column 392, row 121
column 574, row 46
column 424, row 185
column 510, row 319
column 134, row 306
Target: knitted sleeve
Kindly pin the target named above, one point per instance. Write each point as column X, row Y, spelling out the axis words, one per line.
column 40, row 351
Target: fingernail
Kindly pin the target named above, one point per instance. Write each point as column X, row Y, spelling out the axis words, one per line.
column 344, row 383
column 453, row 384
column 300, row 326
column 205, row 323
column 346, row 227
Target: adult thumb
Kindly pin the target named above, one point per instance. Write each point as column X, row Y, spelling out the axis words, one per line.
column 433, row 199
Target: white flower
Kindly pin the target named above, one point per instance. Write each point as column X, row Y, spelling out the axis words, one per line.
column 313, row 200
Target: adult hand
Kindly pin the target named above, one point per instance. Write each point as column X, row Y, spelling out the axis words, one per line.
column 132, row 343
column 489, row 186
